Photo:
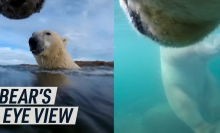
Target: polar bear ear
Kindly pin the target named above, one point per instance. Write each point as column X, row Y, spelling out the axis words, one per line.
column 65, row 40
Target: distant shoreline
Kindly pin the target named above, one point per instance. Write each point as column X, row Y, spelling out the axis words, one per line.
column 86, row 63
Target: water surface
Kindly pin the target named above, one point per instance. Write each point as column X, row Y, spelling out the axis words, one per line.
column 89, row 88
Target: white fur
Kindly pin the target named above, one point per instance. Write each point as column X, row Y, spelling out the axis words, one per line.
column 188, row 83
column 47, row 44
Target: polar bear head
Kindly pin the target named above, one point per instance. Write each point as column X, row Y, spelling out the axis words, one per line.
column 47, row 43
column 49, row 51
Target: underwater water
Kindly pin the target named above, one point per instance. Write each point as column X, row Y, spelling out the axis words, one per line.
column 138, row 87
column 89, row 88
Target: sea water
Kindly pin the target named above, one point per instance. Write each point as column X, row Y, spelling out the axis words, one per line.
column 89, row 88
column 138, row 83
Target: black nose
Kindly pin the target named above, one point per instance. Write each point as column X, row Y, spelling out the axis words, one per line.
column 33, row 42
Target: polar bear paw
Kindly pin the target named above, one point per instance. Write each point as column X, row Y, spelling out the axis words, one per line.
column 217, row 42
column 208, row 128
column 205, row 128
column 216, row 128
column 210, row 47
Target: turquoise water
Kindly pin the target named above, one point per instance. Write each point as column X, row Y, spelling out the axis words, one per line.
column 138, row 84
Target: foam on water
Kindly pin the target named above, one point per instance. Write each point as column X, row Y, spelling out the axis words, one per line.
column 101, row 70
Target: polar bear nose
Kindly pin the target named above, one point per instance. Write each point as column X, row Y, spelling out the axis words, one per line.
column 33, row 42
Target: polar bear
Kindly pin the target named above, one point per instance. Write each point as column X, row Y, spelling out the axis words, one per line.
column 173, row 23
column 49, row 50
column 20, row 9
column 191, row 89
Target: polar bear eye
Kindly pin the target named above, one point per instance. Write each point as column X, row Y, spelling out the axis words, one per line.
column 48, row 33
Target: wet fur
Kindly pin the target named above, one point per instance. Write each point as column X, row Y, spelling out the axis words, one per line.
column 175, row 23
column 20, row 9
column 190, row 87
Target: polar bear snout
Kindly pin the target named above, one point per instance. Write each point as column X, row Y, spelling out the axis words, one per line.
column 35, row 47
column 173, row 23
column 33, row 43
column 136, row 20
